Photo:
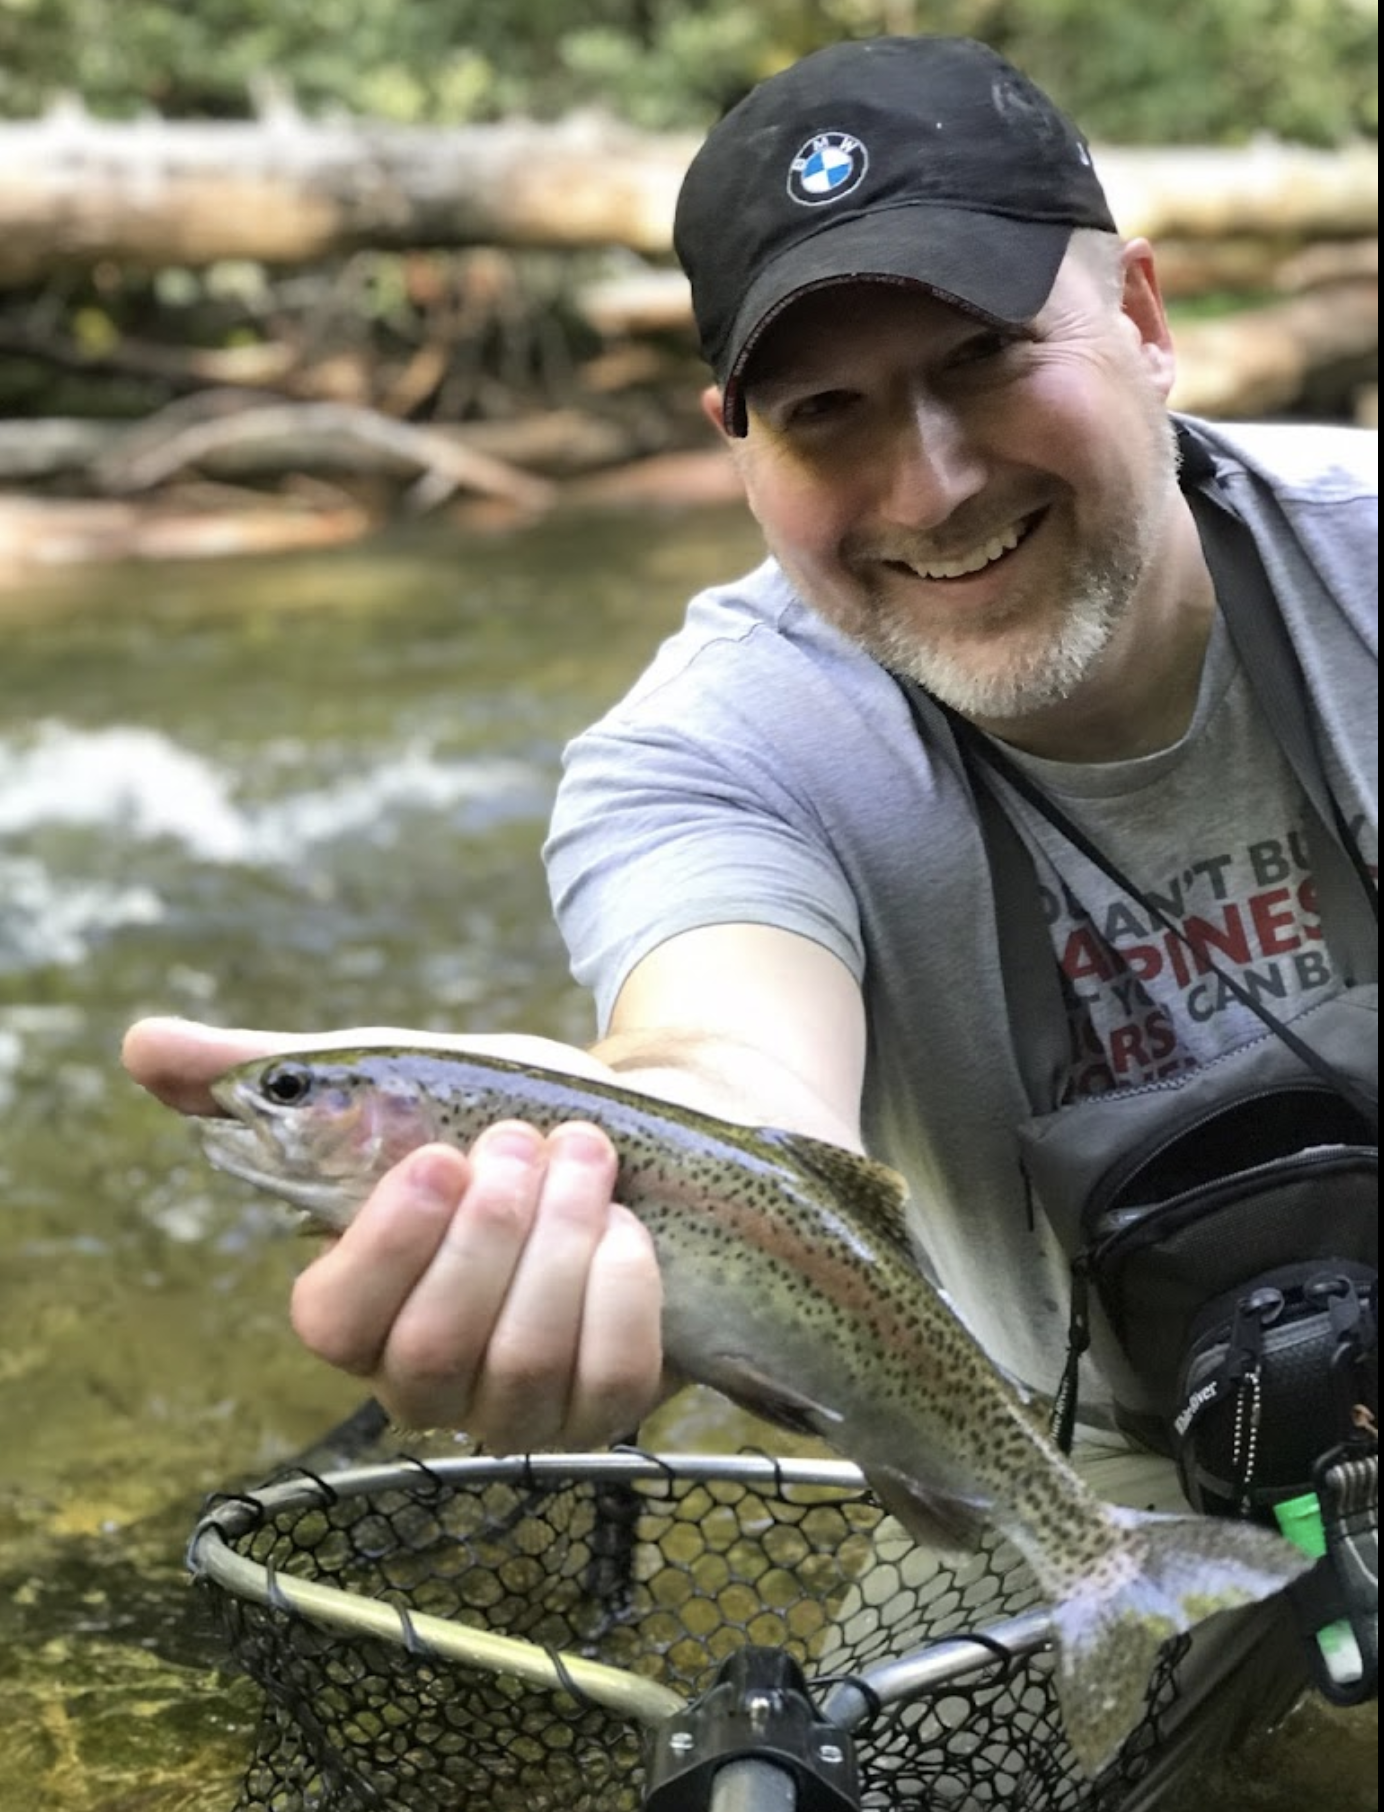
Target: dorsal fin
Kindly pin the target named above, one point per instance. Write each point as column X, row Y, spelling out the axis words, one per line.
column 875, row 1195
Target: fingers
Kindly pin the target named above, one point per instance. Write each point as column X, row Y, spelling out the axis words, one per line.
column 619, row 1376
column 576, row 1351
column 501, row 1292
column 345, row 1302
column 175, row 1059
column 521, row 1395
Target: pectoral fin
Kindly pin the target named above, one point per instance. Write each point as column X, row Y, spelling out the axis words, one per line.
column 771, row 1399
column 931, row 1515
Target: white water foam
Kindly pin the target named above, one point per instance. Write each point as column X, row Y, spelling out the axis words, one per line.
column 134, row 785
column 47, row 920
column 132, row 780
column 142, row 785
column 415, row 779
column 11, row 1053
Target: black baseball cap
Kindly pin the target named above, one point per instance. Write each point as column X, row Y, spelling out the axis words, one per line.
column 927, row 160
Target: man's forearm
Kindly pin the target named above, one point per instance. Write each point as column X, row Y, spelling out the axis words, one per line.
column 724, row 1076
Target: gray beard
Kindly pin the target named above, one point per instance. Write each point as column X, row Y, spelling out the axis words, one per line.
column 1050, row 674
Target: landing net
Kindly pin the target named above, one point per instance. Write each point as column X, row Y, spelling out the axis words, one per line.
column 484, row 1635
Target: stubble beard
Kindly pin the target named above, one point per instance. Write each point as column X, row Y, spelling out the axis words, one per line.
column 1047, row 670
column 1041, row 665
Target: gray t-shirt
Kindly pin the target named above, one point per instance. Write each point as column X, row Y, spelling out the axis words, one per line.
column 765, row 771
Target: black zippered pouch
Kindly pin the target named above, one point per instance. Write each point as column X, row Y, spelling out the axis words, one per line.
column 1184, row 1207
column 1281, row 1177
column 1223, row 1300
column 1264, row 1371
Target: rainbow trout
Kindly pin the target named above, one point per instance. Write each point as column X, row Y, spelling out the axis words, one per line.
column 791, row 1285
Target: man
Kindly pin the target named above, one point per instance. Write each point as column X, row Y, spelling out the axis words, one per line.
column 944, row 380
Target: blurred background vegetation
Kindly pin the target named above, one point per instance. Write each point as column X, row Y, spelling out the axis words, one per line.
column 1183, row 71
column 565, row 359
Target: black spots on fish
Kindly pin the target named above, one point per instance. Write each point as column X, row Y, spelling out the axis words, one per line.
column 1035, row 1486
column 951, row 1414
column 1090, row 1543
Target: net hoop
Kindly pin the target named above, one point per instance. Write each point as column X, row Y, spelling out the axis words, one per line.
column 211, row 1557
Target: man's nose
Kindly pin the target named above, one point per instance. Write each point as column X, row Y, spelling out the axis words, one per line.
column 933, row 462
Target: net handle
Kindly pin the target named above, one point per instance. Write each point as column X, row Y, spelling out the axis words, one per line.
column 642, row 1701
column 852, row 1702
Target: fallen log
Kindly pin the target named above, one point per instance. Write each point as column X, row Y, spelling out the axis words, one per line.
column 1319, row 347
column 287, row 190
column 1263, row 189
column 284, row 189
column 657, row 300
column 553, row 444
column 1248, row 266
column 38, row 534
column 1265, row 360
column 341, row 377
column 159, row 449
column 41, row 534
column 33, row 452
column 1255, row 362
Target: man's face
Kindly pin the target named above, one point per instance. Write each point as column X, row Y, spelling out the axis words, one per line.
column 976, row 507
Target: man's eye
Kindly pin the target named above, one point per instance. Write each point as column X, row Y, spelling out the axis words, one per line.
column 821, row 406
column 983, row 346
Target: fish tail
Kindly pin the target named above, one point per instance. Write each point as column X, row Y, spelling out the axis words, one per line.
column 1162, row 1575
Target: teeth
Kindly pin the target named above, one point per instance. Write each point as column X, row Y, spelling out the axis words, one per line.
column 973, row 562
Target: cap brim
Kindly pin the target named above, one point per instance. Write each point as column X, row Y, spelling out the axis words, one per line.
column 987, row 264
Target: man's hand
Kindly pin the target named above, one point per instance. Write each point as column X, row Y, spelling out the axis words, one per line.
column 436, row 1293
column 501, row 1291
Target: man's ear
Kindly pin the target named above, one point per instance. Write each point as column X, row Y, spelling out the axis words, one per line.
column 1142, row 305
column 712, row 404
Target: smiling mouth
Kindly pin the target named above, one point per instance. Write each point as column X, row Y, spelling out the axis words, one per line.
column 977, row 560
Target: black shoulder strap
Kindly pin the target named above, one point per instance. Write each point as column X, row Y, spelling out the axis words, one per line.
column 1029, row 973
column 1346, row 893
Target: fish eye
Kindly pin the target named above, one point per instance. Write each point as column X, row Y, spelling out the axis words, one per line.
column 287, row 1084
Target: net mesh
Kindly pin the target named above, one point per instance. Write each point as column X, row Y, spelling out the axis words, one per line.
column 663, row 1576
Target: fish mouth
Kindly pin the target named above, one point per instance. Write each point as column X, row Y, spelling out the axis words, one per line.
column 242, row 1151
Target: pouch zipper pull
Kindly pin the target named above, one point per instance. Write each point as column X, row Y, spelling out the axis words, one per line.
column 1254, row 1314
column 1062, row 1421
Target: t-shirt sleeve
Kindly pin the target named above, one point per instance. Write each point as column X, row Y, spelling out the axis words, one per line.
column 679, row 815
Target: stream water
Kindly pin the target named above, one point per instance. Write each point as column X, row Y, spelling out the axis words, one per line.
column 303, row 792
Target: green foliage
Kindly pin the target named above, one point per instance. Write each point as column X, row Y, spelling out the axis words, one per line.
column 1185, row 72
column 1181, row 71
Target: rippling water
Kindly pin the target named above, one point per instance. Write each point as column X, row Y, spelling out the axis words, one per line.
column 305, row 792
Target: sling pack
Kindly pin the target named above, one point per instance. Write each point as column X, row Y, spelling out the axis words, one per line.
column 1222, row 1225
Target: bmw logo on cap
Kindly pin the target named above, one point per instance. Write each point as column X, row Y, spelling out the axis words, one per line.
column 829, row 166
